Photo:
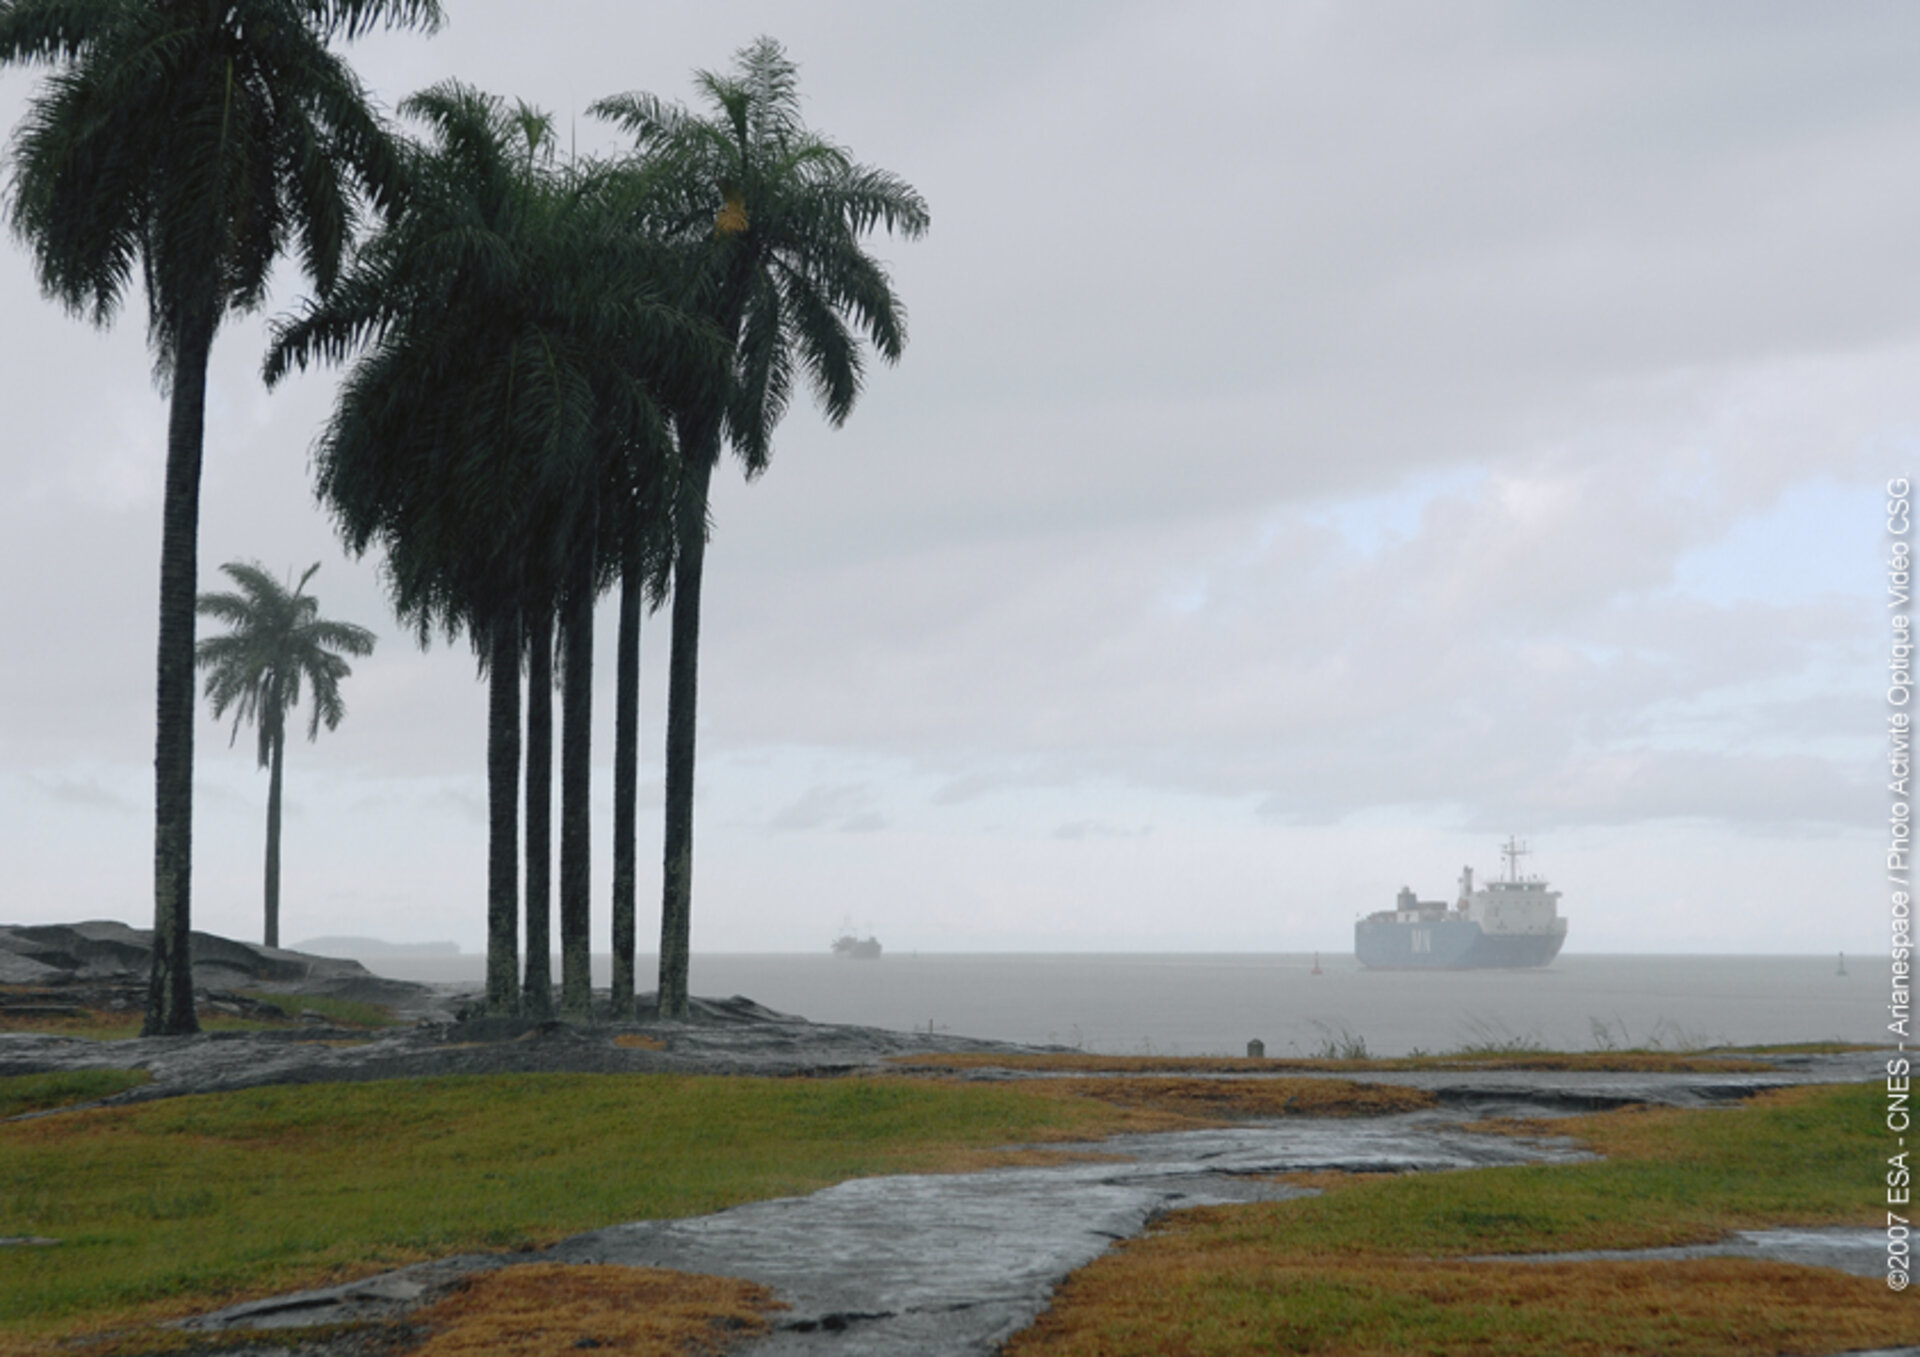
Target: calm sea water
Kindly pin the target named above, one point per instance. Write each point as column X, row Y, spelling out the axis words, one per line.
column 1190, row 1004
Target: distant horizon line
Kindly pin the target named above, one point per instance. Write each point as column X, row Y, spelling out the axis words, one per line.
column 447, row 948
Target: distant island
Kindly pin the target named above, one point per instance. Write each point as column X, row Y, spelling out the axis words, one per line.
column 361, row 947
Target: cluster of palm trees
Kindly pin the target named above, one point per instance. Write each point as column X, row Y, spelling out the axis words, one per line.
column 548, row 355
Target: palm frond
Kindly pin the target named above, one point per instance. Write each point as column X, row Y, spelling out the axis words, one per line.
column 276, row 643
column 191, row 145
column 789, row 285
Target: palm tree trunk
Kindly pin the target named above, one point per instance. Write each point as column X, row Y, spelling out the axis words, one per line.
column 576, row 779
column 279, row 740
column 170, row 985
column 626, row 780
column 537, row 1001
column 503, row 829
column 683, row 682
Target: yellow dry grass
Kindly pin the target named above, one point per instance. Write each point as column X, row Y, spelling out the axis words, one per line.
column 1263, row 1097
column 639, row 1041
column 1153, row 1297
column 548, row 1310
column 90, row 1023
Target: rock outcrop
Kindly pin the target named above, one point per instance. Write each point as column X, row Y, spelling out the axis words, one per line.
column 104, row 953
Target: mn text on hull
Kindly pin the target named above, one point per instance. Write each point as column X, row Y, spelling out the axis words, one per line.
column 1504, row 925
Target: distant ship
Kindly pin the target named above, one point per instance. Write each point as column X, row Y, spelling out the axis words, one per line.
column 856, row 948
column 1504, row 925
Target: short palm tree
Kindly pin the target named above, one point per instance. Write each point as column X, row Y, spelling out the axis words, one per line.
column 193, row 142
column 277, row 641
column 776, row 216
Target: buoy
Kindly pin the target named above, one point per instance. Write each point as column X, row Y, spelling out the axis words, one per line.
column 1843, row 965
column 1316, row 963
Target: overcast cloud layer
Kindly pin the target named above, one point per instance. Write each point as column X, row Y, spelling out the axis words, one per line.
column 1332, row 437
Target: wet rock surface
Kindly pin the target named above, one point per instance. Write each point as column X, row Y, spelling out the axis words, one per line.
column 954, row 1264
column 725, row 1036
column 105, row 965
column 1532, row 1093
column 66, row 970
column 386, row 1299
column 1861, row 1252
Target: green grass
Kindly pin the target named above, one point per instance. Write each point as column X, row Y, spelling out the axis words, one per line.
column 101, row 1025
column 194, row 1200
column 1374, row 1265
column 340, row 1012
column 1809, row 1157
column 38, row 1092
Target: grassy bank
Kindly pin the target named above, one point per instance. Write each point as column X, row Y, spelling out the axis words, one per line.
column 1376, row 1265
column 168, row 1207
column 178, row 1206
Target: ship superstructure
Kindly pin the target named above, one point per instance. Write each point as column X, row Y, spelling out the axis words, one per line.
column 851, row 946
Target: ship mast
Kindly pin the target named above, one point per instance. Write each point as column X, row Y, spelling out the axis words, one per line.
column 1513, row 852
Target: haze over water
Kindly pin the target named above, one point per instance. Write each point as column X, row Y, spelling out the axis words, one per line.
column 1192, row 1004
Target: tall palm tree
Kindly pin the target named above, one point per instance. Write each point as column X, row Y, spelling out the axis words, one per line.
column 645, row 567
column 499, row 423
column 778, row 215
column 536, row 990
column 278, row 640
column 194, row 140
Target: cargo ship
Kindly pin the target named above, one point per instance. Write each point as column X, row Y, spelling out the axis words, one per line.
column 851, row 946
column 1503, row 925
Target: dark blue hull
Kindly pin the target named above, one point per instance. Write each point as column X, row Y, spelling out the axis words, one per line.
column 1449, row 945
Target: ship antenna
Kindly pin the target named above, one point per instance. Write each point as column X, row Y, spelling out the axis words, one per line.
column 1513, row 852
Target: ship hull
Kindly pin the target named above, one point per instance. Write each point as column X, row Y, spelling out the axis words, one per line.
column 1449, row 945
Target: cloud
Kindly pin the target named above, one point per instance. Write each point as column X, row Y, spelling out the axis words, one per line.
column 90, row 792
column 1464, row 416
column 819, row 806
column 1074, row 830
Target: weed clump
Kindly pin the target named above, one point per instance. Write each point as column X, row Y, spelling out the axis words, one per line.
column 23, row 1093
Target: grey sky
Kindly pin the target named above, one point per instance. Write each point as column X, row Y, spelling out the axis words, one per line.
column 1331, row 437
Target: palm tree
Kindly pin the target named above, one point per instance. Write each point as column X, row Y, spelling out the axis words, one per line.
column 645, row 563
column 536, row 991
column 195, row 141
column 278, row 639
column 778, row 214
column 497, row 428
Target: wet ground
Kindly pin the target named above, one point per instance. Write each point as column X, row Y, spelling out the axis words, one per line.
column 952, row 1265
column 956, row 1263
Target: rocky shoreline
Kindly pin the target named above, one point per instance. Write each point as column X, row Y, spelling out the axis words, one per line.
column 53, row 969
